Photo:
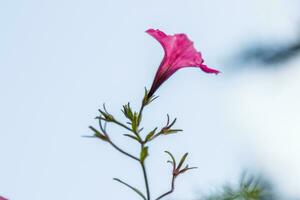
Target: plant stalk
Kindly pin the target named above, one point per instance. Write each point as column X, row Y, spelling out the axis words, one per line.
column 170, row 191
column 146, row 180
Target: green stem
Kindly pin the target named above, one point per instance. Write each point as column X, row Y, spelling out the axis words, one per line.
column 140, row 113
column 142, row 146
column 170, row 191
column 146, row 180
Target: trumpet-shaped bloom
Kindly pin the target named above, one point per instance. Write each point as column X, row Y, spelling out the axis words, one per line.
column 179, row 53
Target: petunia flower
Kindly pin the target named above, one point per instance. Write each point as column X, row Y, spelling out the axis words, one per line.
column 2, row 198
column 179, row 53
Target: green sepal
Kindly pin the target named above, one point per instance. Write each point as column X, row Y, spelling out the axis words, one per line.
column 167, row 129
column 128, row 111
column 147, row 100
column 107, row 117
column 98, row 134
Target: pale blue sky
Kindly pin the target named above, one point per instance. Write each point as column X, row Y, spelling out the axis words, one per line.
column 61, row 59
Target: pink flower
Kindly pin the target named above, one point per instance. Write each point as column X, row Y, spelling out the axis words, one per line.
column 2, row 198
column 179, row 53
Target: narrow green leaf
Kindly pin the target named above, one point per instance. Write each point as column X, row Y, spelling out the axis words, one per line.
column 132, row 137
column 173, row 122
column 144, row 154
column 133, row 188
column 172, row 157
column 186, row 169
column 171, row 131
column 182, row 161
column 150, row 135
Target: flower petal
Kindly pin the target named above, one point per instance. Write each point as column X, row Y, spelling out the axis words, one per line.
column 179, row 53
column 2, row 198
column 208, row 70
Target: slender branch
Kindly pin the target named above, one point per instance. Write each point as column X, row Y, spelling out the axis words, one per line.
column 142, row 162
column 123, row 125
column 122, row 151
column 103, row 129
column 170, row 191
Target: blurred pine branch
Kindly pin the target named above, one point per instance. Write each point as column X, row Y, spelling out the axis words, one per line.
column 271, row 53
column 250, row 187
